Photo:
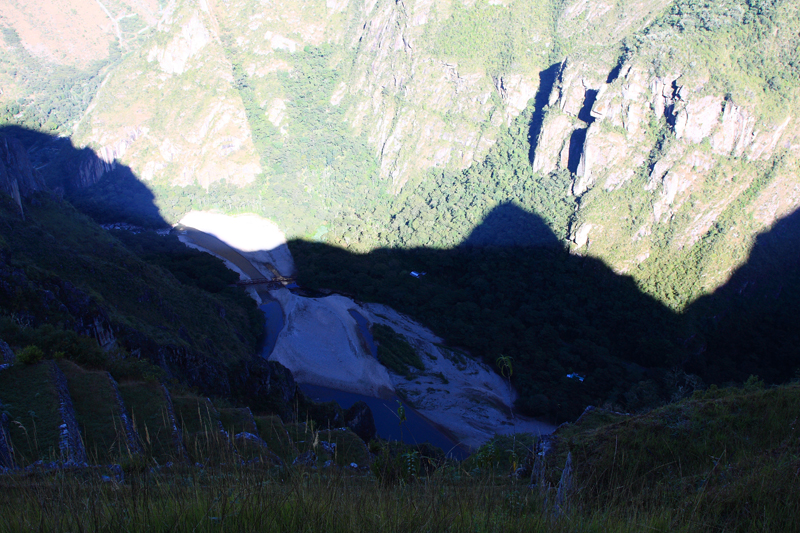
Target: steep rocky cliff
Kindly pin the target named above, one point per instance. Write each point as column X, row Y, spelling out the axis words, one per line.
column 170, row 109
column 18, row 178
column 662, row 159
column 670, row 117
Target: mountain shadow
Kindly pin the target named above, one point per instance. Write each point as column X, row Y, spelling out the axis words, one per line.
column 750, row 325
column 577, row 332
column 559, row 315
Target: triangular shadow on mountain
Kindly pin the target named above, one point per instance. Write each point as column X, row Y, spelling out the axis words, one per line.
column 509, row 225
column 575, row 330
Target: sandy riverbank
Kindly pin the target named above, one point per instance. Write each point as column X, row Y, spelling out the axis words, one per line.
column 462, row 395
column 321, row 345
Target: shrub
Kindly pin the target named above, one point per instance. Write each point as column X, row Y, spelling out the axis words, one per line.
column 30, row 355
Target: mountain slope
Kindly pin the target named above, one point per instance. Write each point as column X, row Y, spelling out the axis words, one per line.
column 328, row 119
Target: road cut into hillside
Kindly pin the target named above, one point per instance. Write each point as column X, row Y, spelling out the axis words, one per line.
column 323, row 345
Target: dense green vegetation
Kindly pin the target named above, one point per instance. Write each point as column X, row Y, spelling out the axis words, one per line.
column 394, row 352
column 748, row 46
column 552, row 312
column 444, row 209
column 314, row 165
column 727, row 452
column 29, row 397
column 189, row 266
column 500, row 283
column 67, row 282
column 55, row 240
column 97, row 412
column 498, row 39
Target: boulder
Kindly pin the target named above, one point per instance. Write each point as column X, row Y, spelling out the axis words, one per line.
column 360, row 420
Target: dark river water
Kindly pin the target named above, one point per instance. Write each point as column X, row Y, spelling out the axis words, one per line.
column 415, row 430
column 273, row 322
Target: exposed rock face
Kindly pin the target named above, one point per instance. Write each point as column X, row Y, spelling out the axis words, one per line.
column 174, row 113
column 617, row 141
column 604, row 155
column 91, row 169
column 191, row 39
column 184, row 123
column 698, row 119
column 735, row 132
column 18, row 178
column 666, row 127
column 93, row 165
column 417, row 110
column 553, row 148
column 70, row 441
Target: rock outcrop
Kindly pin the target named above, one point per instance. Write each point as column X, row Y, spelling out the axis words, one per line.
column 6, row 353
column 132, row 441
column 677, row 148
column 360, row 420
column 18, row 178
column 70, row 440
column 184, row 122
column 265, row 386
column 178, row 447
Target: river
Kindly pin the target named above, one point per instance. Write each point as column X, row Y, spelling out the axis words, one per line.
column 415, row 430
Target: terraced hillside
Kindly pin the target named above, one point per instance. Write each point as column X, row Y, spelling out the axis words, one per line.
column 177, row 427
